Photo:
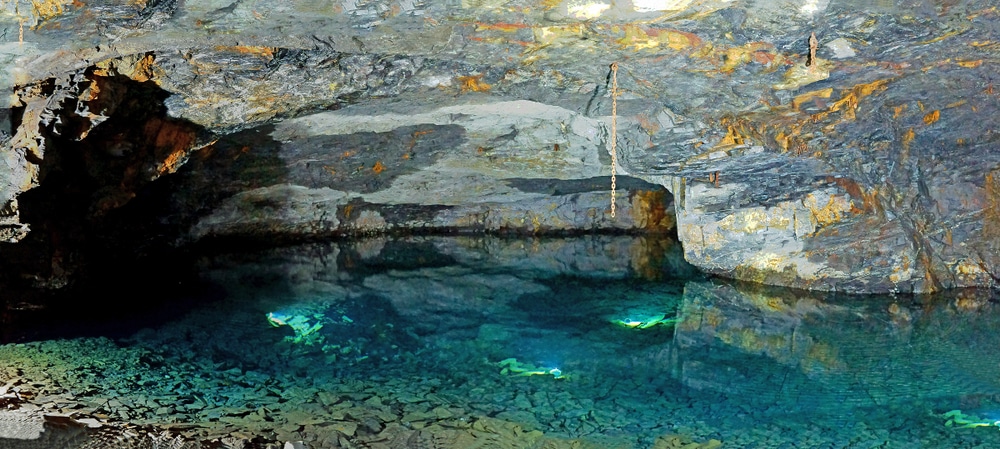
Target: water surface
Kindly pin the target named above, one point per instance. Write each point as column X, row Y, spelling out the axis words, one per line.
column 486, row 342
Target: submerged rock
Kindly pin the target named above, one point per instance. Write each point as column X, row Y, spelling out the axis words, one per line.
column 538, row 359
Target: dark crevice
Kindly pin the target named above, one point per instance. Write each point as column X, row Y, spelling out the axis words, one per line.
column 89, row 228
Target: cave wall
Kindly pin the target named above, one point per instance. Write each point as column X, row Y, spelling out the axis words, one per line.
column 835, row 145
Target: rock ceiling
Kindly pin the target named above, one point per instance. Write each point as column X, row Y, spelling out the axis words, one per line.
column 834, row 145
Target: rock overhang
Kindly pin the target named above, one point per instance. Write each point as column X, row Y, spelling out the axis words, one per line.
column 862, row 164
column 489, row 166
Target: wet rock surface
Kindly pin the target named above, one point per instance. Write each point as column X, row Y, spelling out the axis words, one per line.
column 860, row 160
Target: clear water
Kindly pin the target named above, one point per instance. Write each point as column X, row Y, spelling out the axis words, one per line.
column 578, row 342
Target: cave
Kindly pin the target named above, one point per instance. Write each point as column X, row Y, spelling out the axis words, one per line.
column 499, row 223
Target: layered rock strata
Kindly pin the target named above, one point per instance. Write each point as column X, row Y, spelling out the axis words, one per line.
column 859, row 160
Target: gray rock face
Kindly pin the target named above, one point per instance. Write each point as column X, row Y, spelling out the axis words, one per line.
column 861, row 161
column 511, row 166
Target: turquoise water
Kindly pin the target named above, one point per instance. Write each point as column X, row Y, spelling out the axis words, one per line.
column 576, row 342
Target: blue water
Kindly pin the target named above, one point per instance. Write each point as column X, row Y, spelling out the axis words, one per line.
column 592, row 341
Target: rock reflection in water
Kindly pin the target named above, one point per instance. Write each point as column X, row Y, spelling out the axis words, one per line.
column 838, row 358
column 603, row 341
column 738, row 356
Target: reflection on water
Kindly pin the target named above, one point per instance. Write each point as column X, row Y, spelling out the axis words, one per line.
column 595, row 341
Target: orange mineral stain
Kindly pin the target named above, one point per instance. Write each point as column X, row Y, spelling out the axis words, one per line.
column 473, row 83
column 932, row 116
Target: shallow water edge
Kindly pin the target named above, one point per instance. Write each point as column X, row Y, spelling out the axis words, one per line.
column 600, row 341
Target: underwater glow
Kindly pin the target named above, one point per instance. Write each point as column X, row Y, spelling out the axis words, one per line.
column 628, row 322
column 513, row 367
column 305, row 331
column 277, row 319
column 960, row 419
column 646, row 322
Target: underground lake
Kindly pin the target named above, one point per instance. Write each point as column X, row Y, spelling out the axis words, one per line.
column 474, row 341
column 539, row 224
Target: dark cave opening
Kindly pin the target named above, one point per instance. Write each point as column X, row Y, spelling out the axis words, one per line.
column 104, row 148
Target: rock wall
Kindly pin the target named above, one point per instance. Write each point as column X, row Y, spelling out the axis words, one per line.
column 829, row 145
